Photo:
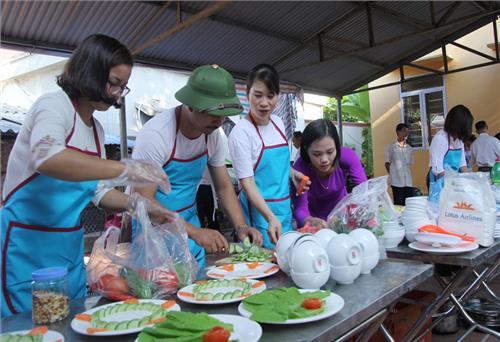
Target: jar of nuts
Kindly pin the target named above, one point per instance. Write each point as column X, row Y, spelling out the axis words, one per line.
column 49, row 290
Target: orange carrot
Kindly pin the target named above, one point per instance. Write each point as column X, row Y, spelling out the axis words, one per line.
column 83, row 317
column 168, row 304
column 302, row 184
column 95, row 330
column 186, row 294
column 253, row 265
column 131, row 301
column 228, row 267
column 158, row 320
column 41, row 330
column 58, row 340
column 216, row 275
column 258, row 284
column 271, row 269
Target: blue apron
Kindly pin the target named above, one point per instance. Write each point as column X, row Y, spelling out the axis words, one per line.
column 41, row 228
column 184, row 176
column 271, row 174
column 451, row 159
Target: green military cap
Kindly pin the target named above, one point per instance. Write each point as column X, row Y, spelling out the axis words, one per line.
column 211, row 89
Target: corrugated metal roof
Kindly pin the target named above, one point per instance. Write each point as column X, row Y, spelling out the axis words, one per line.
column 245, row 33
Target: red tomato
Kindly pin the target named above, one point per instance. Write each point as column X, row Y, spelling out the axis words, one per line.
column 217, row 334
column 162, row 277
column 112, row 283
column 312, row 303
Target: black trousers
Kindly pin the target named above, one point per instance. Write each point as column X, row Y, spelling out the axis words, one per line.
column 484, row 168
column 400, row 193
column 206, row 208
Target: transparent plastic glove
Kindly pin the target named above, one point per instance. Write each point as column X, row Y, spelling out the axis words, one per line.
column 140, row 173
column 157, row 213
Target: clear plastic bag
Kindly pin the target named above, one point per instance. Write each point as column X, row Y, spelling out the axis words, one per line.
column 367, row 206
column 145, row 268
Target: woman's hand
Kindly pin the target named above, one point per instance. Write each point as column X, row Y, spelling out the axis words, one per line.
column 210, row 239
column 296, row 177
column 274, row 229
column 315, row 221
column 244, row 230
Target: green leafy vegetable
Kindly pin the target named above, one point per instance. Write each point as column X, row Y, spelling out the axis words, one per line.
column 138, row 286
column 246, row 251
column 282, row 304
column 182, row 327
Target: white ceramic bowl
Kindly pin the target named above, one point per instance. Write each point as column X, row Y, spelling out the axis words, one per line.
column 368, row 263
column 391, row 225
column 393, row 238
column 308, row 256
column 283, row 264
column 286, row 240
column 343, row 250
column 324, row 236
column 345, row 274
column 410, row 236
column 416, row 199
column 367, row 240
column 310, row 280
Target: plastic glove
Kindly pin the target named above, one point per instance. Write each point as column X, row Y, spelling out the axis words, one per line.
column 297, row 177
column 140, row 173
column 157, row 213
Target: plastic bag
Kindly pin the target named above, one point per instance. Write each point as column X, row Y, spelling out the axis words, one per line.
column 145, row 268
column 367, row 206
column 467, row 206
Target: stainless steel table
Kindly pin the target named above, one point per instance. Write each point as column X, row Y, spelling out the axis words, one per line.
column 476, row 268
column 366, row 303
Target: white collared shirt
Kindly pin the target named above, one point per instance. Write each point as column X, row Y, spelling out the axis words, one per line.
column 485, row 150
column 400, row 158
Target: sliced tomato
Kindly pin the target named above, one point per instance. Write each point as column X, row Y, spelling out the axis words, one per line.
column 312, row 303
column 112, row 283
column 217, row 334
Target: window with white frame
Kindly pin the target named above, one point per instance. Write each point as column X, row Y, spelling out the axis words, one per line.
column 423, row 109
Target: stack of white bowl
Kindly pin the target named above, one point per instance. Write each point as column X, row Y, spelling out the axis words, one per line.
column 345, row 255
column 394, row 233
column 369, row 246
column 415, row 216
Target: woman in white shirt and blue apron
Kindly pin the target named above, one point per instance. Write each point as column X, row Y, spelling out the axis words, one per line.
column 53, row 172
column 447, row 150
column 261, row 158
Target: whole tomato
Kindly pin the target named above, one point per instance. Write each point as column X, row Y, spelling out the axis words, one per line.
column 217, row 334
column 112, row 284
column 162, row 277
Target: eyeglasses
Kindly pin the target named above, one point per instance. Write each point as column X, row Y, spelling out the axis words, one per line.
column 116, row 89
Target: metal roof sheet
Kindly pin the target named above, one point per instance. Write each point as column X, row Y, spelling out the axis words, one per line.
column 245, row 33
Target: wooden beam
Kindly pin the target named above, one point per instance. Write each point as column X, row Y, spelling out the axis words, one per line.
column 300, row 44
column 448, row 13
column 150, row 23
column 216, row 6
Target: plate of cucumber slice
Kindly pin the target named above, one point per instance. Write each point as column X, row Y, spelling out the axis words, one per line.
column 122, row 318
column 249, row 270
column 28, row 336
column 220, row 291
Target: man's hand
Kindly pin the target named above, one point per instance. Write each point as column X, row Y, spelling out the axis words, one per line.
column 244, row 230
column 211, row 240
column 274, row 229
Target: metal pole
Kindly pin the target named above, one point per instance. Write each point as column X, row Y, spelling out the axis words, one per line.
column 123, row 130
column 339, row 118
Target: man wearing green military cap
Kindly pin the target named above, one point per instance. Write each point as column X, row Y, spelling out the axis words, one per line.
column 186, row 139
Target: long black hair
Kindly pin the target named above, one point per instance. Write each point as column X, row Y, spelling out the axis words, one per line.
column 316, row 130
column 87, row 71
column 267, row 74
column 458, row 123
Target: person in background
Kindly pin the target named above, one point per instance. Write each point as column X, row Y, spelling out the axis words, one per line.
column 486, row 149
column 468, row 152
column 326, row 163
column 261, row 158
column 206, row 202
column 447, row 149
column 54, row 169
column 398, row 159
column 185, row 140
column 296, row 139
column 497, row 135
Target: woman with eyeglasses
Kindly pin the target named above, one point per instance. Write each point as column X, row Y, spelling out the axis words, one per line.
column 54, row 168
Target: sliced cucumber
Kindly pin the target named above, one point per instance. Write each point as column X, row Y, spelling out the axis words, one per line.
column 111, row 325
column 228, row 295
column 218, row 296
column 144, row 321
column 122, row 326
column 134, row 323
column 237, row 293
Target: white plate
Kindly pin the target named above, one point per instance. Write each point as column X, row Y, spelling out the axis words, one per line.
column 334, row 303
column 259, row 287
column 49, row 336
column 81, row 326
column 244, row 330
column 242, row 270
column 460, row 248
column 437, row 240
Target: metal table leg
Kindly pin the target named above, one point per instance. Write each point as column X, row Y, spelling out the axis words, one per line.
column 375, row 320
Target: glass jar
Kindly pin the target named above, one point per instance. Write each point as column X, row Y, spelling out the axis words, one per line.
column 49, row 290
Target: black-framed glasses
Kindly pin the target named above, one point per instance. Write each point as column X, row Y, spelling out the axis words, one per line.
column 116, row 89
